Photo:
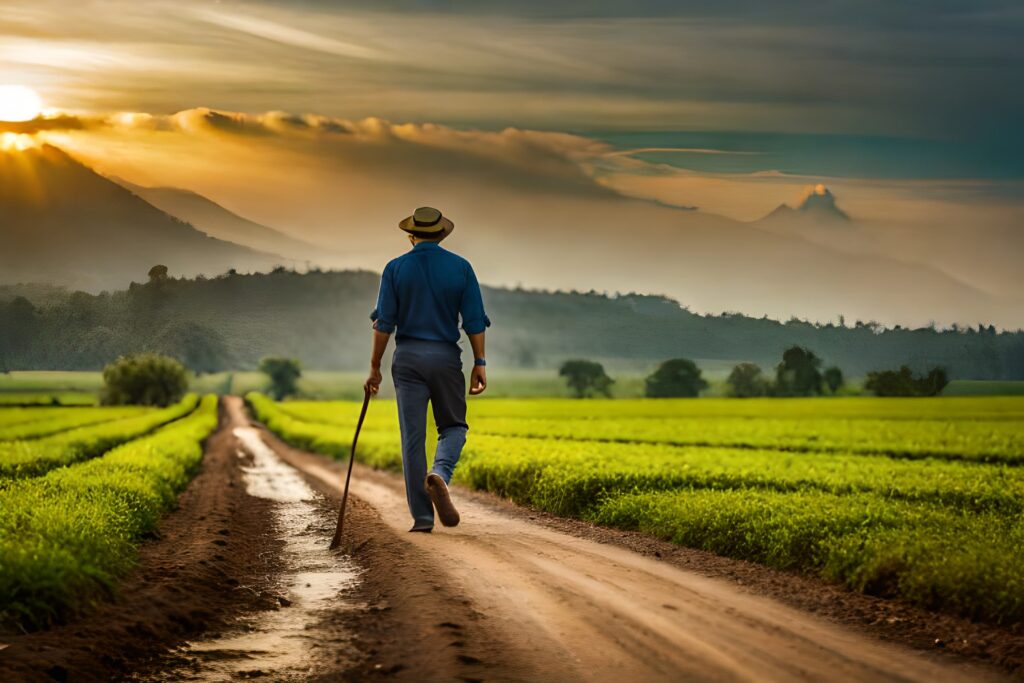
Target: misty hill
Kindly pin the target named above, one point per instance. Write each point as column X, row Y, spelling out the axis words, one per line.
column 322, row 318
column 64, row 223
column 219, row 222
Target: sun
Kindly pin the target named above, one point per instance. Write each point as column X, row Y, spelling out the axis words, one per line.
column 19, row 103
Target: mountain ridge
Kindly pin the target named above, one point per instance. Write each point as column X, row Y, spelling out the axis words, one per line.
column 67, row 224
column 222, row 223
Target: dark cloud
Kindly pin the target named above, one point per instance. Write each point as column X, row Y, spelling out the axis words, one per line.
column 41, row 123
column 939, row 69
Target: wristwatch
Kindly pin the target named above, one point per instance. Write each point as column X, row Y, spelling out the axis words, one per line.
column 479, row 361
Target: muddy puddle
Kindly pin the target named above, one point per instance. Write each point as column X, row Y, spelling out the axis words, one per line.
column 287, row 643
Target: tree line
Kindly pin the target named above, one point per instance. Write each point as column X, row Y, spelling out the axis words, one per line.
column 232, row 321
column 799, row 373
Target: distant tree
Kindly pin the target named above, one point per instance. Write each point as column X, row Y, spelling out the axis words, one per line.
column 147, row 379
column 19, row 326
column 833, row 377
column 902, row 382
column 158, row 273
column 798, row 373
column 678, row 377
column 747, row 381
column 586, row 378
column 199, row 347
column 284, row 374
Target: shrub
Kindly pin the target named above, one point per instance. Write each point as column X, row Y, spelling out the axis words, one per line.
column 148, row 379
column 746, row 381
column 586, row 378
column 798, row 373
column 902, row 382
column 284, row 374
column 833, row 377
column 678, row 377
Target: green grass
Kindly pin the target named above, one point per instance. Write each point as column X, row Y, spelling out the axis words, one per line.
column 840, row 488
column 971, row 387
column 51, row 381
column 47, row 398
column 67, row 536
column 32, row 457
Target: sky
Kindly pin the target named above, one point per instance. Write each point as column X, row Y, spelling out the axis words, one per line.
column 582, row 120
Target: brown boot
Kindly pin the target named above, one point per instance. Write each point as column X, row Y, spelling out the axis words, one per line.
column 438, row 492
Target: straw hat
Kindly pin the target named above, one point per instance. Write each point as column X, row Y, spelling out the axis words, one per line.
column 427, row 222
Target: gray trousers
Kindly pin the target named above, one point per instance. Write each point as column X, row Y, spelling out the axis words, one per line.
column 428, row 371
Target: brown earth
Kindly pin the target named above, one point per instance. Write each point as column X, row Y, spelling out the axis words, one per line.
column 511, row 594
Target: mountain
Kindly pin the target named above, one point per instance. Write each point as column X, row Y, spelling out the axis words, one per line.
column 818, row 207
column 219, row 222
column 64, row 223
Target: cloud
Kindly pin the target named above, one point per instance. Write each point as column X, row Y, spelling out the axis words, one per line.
column 872, row 67
column 288, row 35
column 40, row 124
column 678, row 150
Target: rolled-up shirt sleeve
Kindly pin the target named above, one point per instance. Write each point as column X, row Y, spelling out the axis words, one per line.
column 474, row 320
column 385, row 315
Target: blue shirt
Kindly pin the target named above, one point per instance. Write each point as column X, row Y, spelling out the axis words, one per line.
column 423, row 293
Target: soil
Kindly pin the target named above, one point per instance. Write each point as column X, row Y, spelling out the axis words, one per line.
column 511, row 594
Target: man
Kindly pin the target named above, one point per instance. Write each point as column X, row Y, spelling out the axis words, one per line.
column 423, row 293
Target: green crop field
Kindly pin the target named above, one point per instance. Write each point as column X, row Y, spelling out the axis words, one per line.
column 26, row 457
column 917, row 499
column 74, row 506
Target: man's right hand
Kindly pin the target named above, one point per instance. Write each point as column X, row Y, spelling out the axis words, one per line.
column 372, row 384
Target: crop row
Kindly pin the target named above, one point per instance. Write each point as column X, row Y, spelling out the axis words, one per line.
column 65, row 537
column 997, row 436
column 29, row 458
column 570, row 477
column 969, row 565
column 63, row 419
column 20, row 415
column 34, row 398
column 850, row 408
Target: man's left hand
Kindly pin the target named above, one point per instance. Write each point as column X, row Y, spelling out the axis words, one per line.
column 477, row 380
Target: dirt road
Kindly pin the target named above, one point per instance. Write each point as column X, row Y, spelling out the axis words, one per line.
column 559, row 607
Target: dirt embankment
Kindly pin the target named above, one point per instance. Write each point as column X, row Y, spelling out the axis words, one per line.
column 205, row 566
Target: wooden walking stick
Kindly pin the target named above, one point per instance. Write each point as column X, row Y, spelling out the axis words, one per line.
column 336, row 541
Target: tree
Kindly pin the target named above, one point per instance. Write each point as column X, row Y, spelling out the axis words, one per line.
column 284, row 373
column 902, row 382
column 586, row 378
column 158, row 273
column 747, row 381
column 678, row 377
column 833, row 377
column 199, row 347
column 147, row 379
column 798, row 373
